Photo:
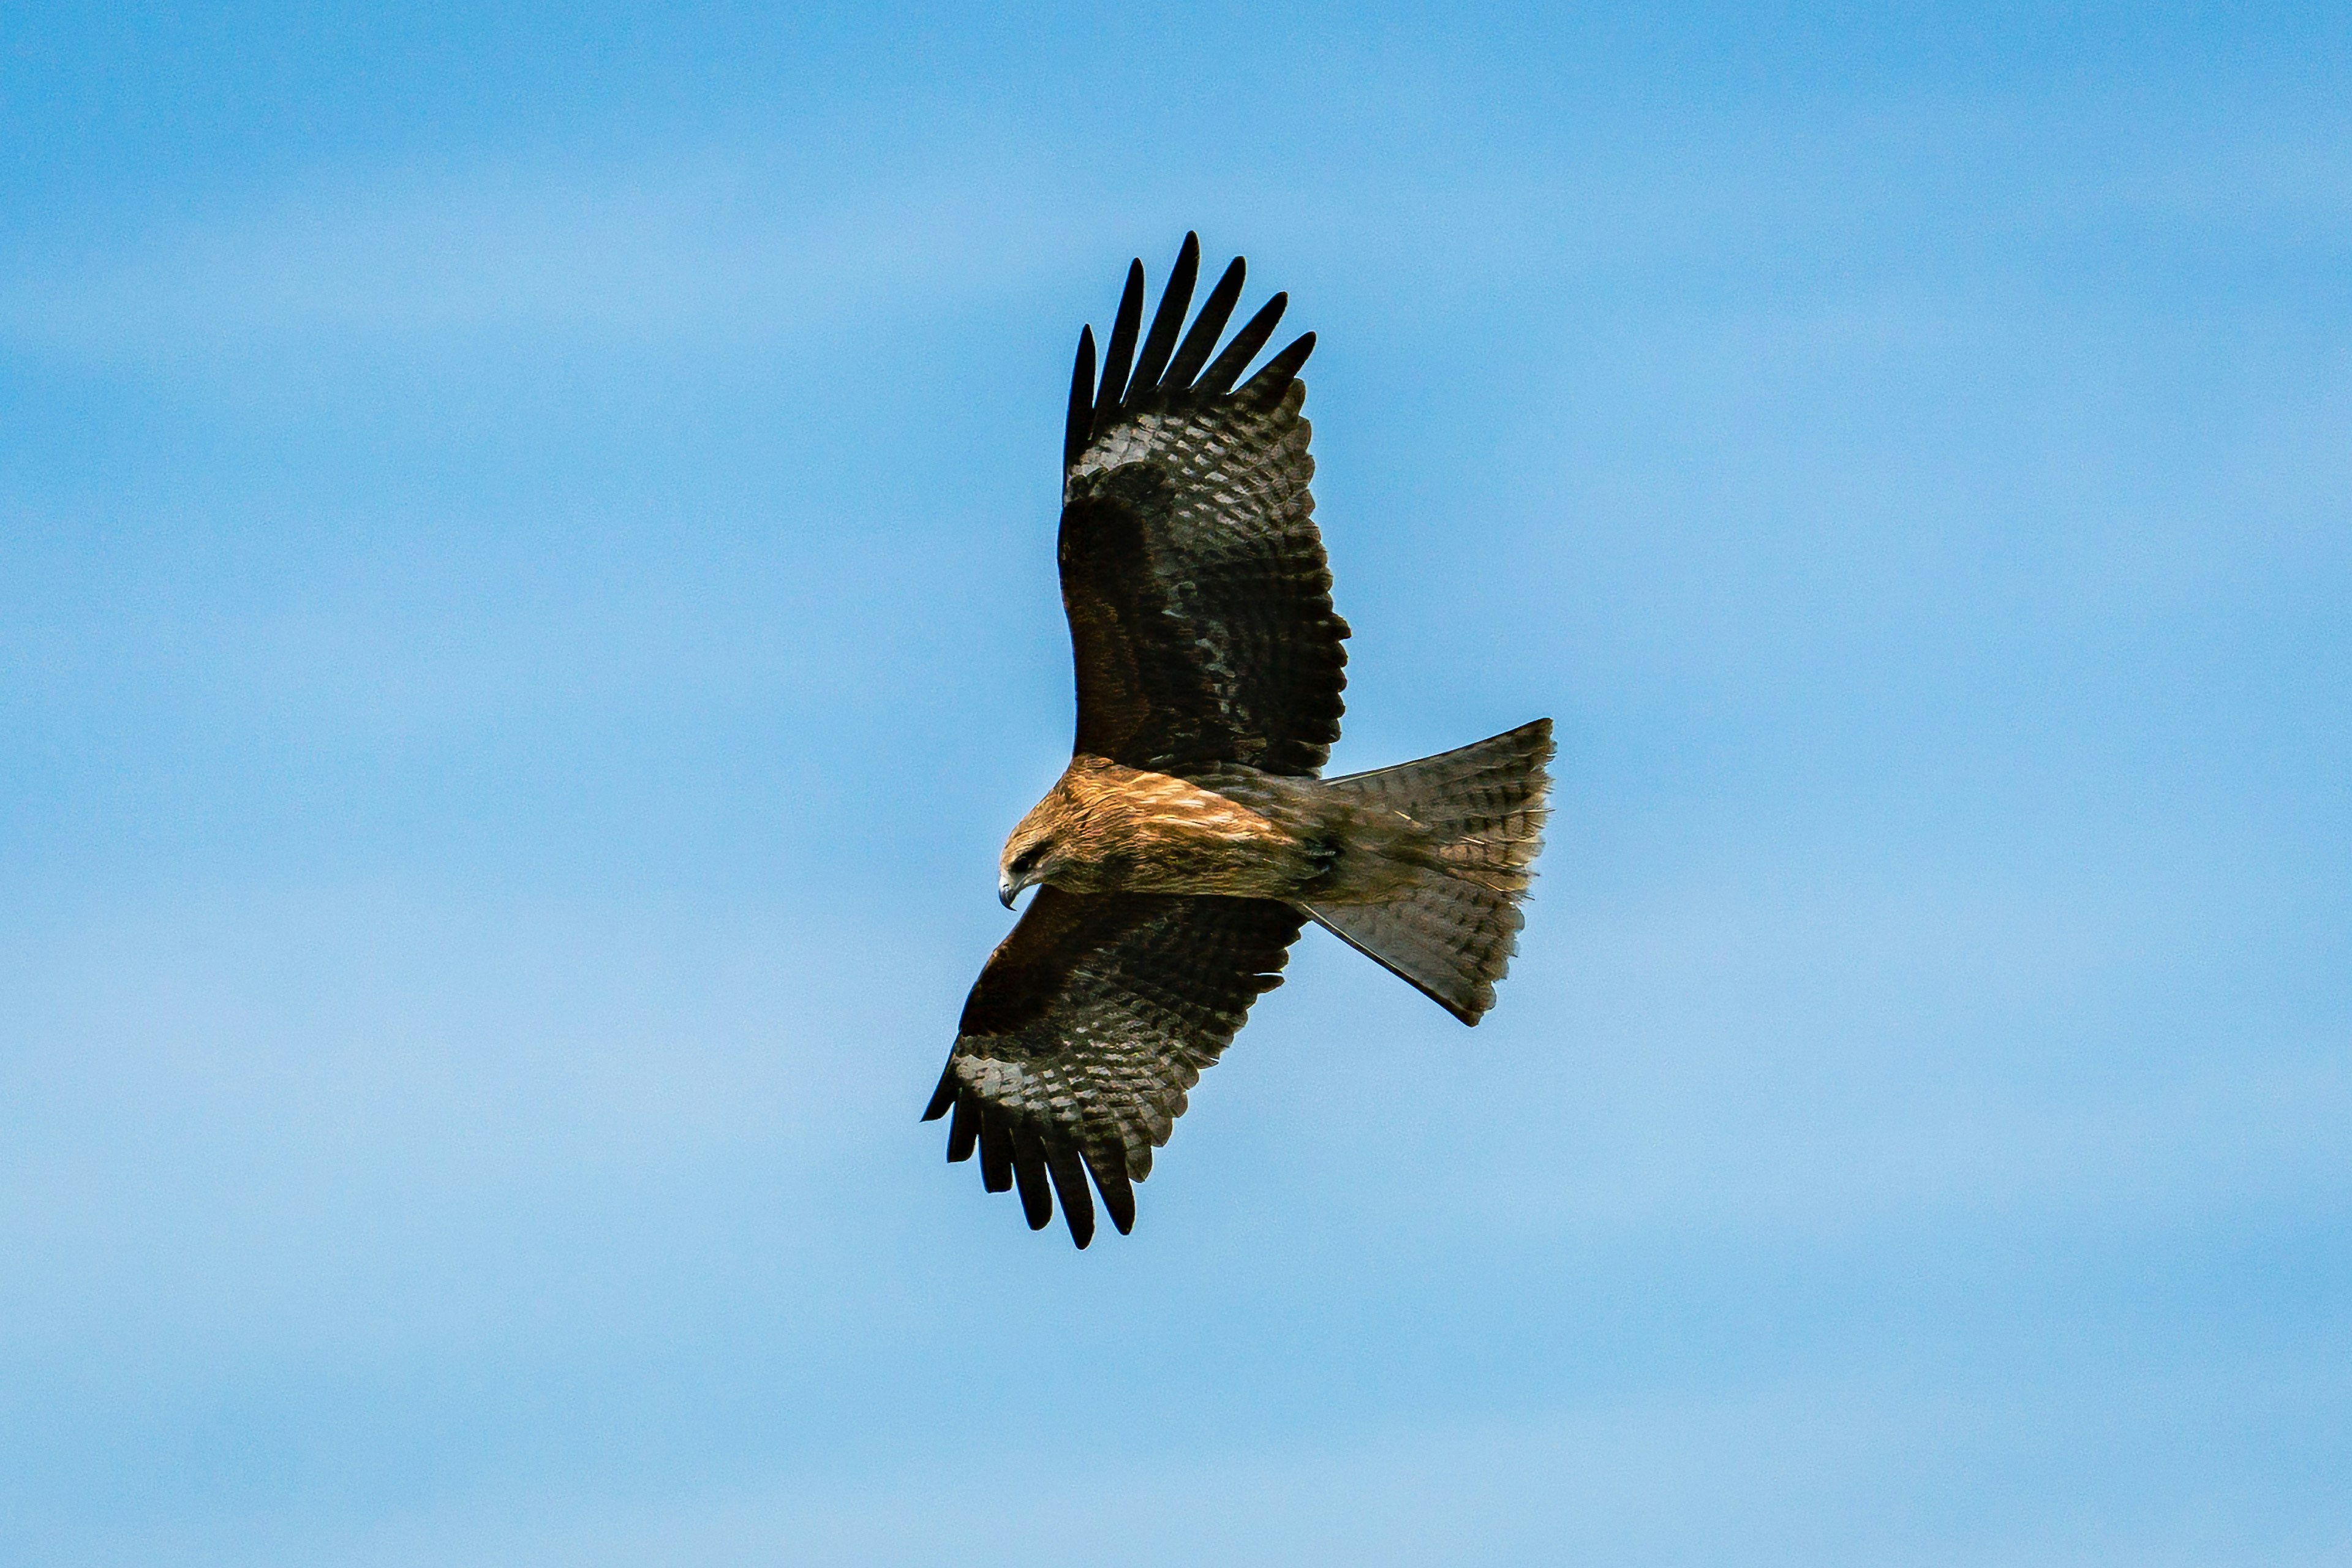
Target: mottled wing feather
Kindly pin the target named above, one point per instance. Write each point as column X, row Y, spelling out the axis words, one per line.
column 1199, row 597
column 1087, row 1027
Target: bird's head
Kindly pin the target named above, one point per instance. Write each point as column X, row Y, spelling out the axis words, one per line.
column 1032, row 855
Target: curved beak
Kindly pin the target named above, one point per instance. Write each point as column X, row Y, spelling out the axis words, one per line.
column 1005, row 888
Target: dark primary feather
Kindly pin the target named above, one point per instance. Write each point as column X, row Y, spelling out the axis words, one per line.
column 1082, row 399
column 1207, row 328
column 1220, row 377
column 1278, row 372
column 1174, row 301
column 1029, row 1174
column 1199, row 595
column 1121, row 345
column 995, row 1154
column 1086, row 1029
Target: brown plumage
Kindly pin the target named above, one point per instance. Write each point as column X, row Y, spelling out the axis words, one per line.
column 1192, row 836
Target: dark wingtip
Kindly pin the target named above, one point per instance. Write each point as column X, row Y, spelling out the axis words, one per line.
column 1219, row 378
column 964, row 1133
column 1274, row 377
column 1040, row 1212
column 1119, row 355
column 1207, row 328
column 942, row 1097
column 1110, row 1179
column 1069, row 1173
column 1082, row 400
column 1029, row 1176
column 1081, row 1223
column 1175, row 298
column 995, row 1154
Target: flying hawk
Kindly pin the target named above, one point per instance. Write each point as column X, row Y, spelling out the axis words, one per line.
column 1192, row 836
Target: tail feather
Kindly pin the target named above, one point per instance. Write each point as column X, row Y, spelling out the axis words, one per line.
column 1452, row 929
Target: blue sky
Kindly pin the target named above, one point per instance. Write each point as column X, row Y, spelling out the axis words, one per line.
column 527, row 608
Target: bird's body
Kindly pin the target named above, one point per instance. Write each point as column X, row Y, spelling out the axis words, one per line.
column 1192, row 836
column 1117, row 829
column 1233, row 831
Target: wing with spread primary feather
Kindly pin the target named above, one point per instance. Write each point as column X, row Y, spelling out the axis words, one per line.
column 1086, row 1029
column 1199, row 597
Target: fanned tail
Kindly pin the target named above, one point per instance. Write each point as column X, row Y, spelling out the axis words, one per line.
column 1453, row 929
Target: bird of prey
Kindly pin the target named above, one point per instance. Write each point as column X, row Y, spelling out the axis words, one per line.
column 1192, row 836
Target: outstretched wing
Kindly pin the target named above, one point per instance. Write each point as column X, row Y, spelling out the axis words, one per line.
column 1085, row 1030
column 1198, row 597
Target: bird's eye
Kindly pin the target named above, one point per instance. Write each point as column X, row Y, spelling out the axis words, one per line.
column 1025, row 862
